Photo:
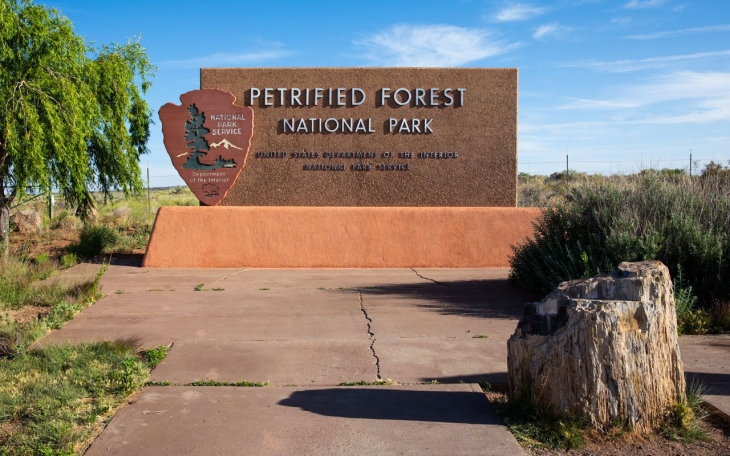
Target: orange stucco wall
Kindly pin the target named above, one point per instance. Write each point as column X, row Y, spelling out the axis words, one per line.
column 336, row 237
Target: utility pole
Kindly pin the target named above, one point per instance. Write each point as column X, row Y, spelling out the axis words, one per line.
column 690, row 163
column 567, row 168
column 50, row 200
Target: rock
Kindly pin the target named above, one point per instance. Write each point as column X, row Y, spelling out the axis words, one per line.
column 68, row 222
column 603, row 348
column 27, row 221
column 121, row 212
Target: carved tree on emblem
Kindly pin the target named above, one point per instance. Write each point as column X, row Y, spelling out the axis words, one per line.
column 194, row 138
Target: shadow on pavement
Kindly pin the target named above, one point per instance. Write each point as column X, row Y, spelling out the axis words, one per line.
column 388, row 403
column 715, row 384
column 493, row 378
column 494, row 298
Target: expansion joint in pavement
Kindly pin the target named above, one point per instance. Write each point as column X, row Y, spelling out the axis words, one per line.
column 432, row 280
column 371, row 335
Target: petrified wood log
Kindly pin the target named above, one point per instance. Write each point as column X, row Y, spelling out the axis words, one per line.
column 603, row 348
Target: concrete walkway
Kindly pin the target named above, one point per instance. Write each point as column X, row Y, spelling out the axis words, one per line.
column 306, row 332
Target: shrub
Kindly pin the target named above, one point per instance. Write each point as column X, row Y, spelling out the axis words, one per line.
column 69, row 260
column 720, row 317
column 93, row 241
column 677, row 220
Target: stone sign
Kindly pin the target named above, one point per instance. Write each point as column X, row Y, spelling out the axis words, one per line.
column 356, row 136
column 344, row 168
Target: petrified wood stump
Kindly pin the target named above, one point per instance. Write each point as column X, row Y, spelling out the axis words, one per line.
column 603, row 348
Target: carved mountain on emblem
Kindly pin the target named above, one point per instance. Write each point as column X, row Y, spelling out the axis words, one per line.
column 226, row 144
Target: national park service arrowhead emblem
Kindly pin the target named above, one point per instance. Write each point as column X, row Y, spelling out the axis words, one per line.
column 207, row 138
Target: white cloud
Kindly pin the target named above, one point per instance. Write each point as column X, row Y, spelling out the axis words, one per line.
column 644, row 3
column 685, row 97
column 687, row 31
column 519, row 12
column 621, row 20
column 583, row 103
column 550, row 30
column 432, row 46
column 222, row 59
column 628, row 65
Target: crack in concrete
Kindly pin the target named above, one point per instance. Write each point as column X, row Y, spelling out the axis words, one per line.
column 230, row 275
column 371, row 334
column 432, row 280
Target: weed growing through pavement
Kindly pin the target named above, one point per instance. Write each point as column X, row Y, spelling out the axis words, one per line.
column 243, row 384
column 372, row 383
column 154, row 356
column 480, row 336
column 157, row 383
column 199, row 287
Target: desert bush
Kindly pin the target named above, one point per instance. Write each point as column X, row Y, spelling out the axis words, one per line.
column 93, row 241
column 683, row 222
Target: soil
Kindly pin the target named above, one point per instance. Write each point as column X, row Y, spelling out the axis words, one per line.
column 715, row 426
column 25, row 314
column 51, row 242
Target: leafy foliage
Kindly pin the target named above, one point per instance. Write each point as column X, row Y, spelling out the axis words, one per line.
column 681, row 221
column 71, row 114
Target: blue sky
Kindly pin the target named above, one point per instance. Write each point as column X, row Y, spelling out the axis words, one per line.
column 618, row 85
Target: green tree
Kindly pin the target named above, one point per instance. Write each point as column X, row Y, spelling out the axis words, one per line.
column 70, row 114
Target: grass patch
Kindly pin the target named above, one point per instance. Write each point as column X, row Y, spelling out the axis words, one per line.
column 30, row 309
column 69, row 260
column 243, row 384
column 536, row 428
column 19, row 284
column 54, row 400
column 683, row 418
column 480, row 336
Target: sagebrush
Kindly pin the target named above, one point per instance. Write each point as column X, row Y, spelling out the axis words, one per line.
column 679, row 220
